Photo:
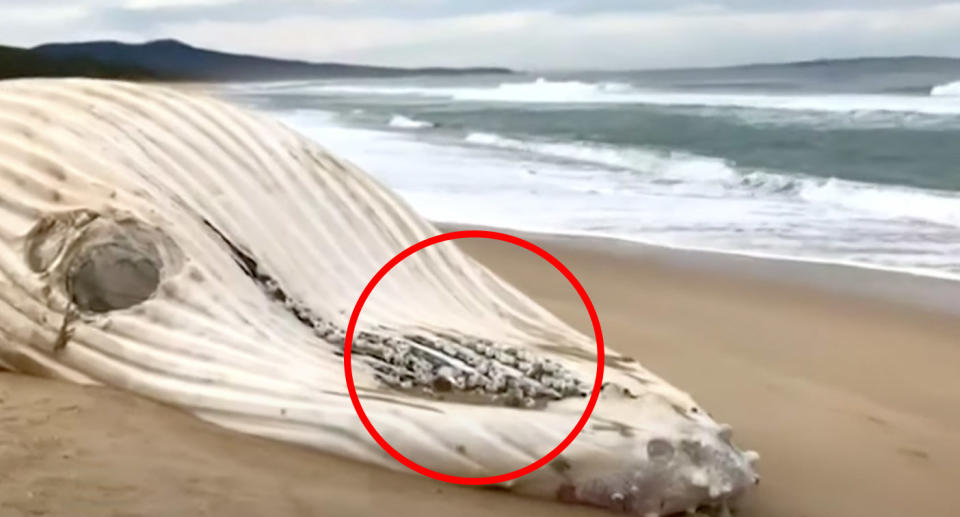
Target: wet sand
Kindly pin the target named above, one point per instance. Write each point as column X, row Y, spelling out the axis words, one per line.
column 845, row 380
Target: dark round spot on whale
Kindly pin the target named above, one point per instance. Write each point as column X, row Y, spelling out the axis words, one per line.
column 560, row 464
column 442, row 384
column 112, row 277
column 659, row 449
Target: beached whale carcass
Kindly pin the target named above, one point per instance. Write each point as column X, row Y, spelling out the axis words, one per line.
column 172, row 245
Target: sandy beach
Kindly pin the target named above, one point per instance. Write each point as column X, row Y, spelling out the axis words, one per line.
column 845, row 381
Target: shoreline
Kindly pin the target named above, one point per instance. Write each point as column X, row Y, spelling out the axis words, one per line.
column 932, row 292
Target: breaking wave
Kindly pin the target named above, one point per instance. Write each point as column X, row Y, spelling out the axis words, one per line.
column 401, row 122
column 710, row 176
column 544, row 91
column 946, row 90
column 662, row 165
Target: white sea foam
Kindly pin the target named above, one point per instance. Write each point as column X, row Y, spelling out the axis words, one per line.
column 649, row 195
column 709, row 175
column 885, row 201
column 544, row 91
column 661, row 165
column 401, row 122
column 825, row 120
column 946, row 90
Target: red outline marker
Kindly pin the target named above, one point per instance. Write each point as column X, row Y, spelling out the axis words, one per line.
column 473, row 234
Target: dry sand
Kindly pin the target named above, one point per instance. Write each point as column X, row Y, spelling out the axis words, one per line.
column 847, row 381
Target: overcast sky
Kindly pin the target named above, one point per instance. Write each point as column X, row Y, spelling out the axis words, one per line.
column 526, row 34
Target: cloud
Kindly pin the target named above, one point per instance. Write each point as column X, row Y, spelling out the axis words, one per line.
column 147, row 14
column 520, row 33
column 545, row 39
column 24, row 23
column 41, row 14
column 329, row 39
column 165, row 10
column 165, row 4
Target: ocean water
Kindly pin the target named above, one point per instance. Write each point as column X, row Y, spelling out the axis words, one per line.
column 853, row 162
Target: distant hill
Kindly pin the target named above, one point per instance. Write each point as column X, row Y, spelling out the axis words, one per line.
column 903, row 74
column 175, row 60
column 900, row 63
column 18, row 62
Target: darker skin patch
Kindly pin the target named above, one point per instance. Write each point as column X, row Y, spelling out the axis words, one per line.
column 567, row 493
column 295, row 156
column 38, row 115
column 252, row 269
column 112, row 277
column 442, row 385
column 560, row 465
column 242, row 258
column 56, row 171
column 49, row 168
column 693, row 451
column 46, row 240
column 619, row 362
column 66, row 333
column 680, row 411
column 620, row 390
column 169, row 290
column 621, row 429
column 17, row 179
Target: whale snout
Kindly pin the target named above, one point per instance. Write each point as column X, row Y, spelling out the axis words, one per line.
column 667, row 461
column 705, row 472
column 676, row 477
